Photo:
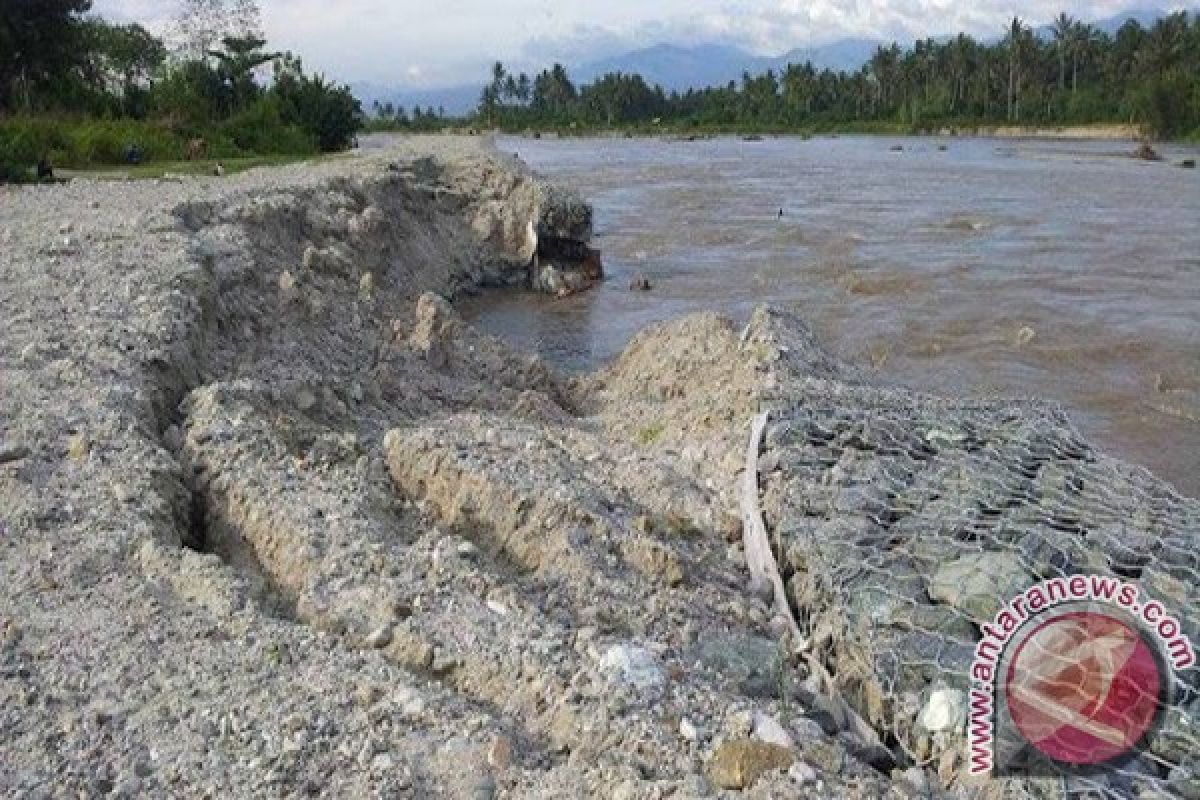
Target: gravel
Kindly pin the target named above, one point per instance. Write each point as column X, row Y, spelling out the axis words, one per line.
column 277, row 522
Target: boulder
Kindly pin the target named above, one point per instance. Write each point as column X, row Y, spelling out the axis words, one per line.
column 980, row 584
column 739, row 763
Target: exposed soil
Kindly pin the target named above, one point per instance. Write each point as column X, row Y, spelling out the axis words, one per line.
column 276, row 522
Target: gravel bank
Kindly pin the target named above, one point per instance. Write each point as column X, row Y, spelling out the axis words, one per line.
column 276, row 522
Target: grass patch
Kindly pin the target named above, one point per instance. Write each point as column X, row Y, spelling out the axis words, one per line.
column 90, row 144
column 650, row 434
column 162, row 169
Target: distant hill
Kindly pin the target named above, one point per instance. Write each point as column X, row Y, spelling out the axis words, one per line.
column 457, row 100
column 679, row 67
column 686, row 66
column 1146, row 17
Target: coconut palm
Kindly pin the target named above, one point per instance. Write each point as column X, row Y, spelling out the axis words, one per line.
column 1064, row 35
column 1014, row 42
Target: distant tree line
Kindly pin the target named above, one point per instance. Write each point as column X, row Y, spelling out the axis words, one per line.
column 391, row 117
column 1072, row 75
column 82, row 90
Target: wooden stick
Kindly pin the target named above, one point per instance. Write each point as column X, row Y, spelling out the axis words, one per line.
column 764, row 571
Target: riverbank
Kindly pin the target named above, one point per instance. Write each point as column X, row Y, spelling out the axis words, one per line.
column 277, row 521
column 1081, row 132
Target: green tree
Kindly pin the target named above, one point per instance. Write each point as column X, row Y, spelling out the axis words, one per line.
column 239, row 57
column 327, row 112
column 40, row 42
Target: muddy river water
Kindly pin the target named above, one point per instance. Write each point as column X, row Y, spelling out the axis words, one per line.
column 1061, row 270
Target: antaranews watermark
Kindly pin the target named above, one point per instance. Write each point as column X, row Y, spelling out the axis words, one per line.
column 1073, row 673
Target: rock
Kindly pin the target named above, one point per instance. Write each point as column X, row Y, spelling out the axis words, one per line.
column 78, row 447
column 367, row 695
column 1184, row 782
column 634, row 666
column 173, row 438
column 979, row 584
column 767, row 729
column 945, row 711
column 311, row 258
column 640, row 283
column 827, row 754
column 688, row 730
column 410, row 702
column 500, row 753
column 483, row 788
column 379, row 638
column 366, row 284
column 739, row 763
column 13, row 452
column 802, row 773
column 751, row 662
column 305, row 400
column 1188, row 163
column 1178, row 731
column 1146, row 153
column 917, row 779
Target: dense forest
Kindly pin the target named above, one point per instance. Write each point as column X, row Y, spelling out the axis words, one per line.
column 1070, row 73
column 78, row 91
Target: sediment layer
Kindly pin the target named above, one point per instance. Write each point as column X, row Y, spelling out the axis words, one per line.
column 276, row 521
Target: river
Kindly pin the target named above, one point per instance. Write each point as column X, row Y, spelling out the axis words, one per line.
column 1062, row 270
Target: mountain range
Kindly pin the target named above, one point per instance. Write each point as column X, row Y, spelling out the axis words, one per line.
column 681, row 67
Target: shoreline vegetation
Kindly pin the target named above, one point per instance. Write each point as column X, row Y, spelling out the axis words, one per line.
column 79, row 93
column 1067, row 80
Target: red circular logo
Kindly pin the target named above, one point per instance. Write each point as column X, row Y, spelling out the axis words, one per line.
column 1083, row 688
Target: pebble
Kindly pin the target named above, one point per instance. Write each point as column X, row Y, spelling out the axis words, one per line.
column 767, row 729
column 379, row 638
column 688, row 730
column 410, row 702
column 78, row 446
column 305, row 400
column 500, row 753
column 946, row 710
column 802, row 773
column 634, row 666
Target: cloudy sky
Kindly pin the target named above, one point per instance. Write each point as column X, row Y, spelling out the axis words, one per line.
column 411, row 44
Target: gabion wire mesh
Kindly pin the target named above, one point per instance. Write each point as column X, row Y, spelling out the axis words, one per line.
column 903, row 524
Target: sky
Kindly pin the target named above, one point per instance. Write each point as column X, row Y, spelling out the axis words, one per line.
column 415, row 45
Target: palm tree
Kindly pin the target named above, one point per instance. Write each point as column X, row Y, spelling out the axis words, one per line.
column 1082, row 36
column 239, row 57
column 1016, row 44
column 1064, row 36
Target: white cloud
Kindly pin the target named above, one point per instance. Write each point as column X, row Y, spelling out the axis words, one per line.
column 422, row 44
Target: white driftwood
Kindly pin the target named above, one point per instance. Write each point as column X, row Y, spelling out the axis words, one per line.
column 764, row 571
